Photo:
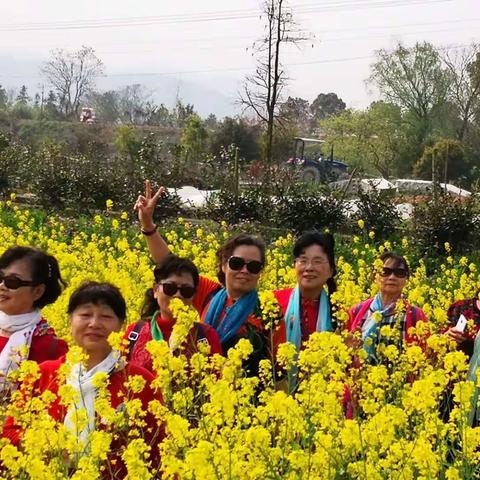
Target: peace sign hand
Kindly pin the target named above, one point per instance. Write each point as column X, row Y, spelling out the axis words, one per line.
column 145, row 205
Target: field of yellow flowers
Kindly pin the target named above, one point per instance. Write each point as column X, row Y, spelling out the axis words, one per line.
column 221, row 425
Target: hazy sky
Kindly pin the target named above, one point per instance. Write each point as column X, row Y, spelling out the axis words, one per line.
column 206, row 41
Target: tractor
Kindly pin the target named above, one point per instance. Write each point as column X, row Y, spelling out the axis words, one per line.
column 312, row 164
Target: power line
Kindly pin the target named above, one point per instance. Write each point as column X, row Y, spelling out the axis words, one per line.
column 231, row 69
column 206, row 16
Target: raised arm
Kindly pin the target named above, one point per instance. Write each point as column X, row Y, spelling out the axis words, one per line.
column 145, row 206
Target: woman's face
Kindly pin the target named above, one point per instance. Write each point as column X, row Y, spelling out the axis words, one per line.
column 241, row 281
column 392, row 278
column 312, row 268
column 164, row 291
column 91, row 325
column 15, row 301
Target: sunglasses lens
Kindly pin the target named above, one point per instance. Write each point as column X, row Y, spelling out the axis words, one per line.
column 169, row 289
column 12, row 283
column 400, row 273
column 187, row 292
column 236, row 263
column 254, row 266
column 386, row 272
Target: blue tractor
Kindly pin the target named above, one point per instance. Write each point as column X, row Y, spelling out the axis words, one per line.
column 312, row 164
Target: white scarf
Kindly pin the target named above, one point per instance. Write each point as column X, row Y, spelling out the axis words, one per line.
column 21, row 328
column 82, row 381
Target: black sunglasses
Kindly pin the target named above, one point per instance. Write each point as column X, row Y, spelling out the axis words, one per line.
column 237, row 263
column 170, row 289
column 398, row 272
column 14, row 283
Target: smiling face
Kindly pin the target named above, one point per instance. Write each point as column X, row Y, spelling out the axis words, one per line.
column 20, row 300
column 390, row 284
column 312, row 269
column 91, row 325
column 240, row 282
column 181, row 279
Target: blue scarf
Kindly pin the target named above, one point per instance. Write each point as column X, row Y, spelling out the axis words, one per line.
column 293, row 317
column 371, row 328
column 235, row 316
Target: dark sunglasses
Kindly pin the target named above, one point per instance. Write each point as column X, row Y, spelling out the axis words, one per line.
column 398, row 272
column 237, row 263
column 14, row 283
column 170, row 289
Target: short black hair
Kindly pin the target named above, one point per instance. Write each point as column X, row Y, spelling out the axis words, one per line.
column 172, row 265
column 44, row 270
column 324, row 240
column 227, row 249
column 398, row 260
column 98, row 294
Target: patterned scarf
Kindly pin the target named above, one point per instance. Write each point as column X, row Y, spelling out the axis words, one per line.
column 235, row 316
column 371, row 335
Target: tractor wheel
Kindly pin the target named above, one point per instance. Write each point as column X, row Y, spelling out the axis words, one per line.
column 310, row 174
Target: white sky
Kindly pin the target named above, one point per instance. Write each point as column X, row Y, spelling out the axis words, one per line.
column 214, row 53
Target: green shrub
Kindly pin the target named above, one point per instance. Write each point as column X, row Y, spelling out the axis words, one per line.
column 446, row 219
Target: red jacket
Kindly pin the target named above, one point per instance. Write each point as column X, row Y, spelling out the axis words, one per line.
column 309, row 317
column 200, row 332
column 49, row 380
column 45, row 344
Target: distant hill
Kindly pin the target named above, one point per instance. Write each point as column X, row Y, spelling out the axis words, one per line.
column 164, row 88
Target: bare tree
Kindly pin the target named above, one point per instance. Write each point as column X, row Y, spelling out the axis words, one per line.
column 463, row 67
column 262, row 90
column 72, row 75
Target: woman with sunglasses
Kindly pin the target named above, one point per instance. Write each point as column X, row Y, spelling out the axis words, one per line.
column 29, row 280
column 370, row 315
column 306, row 308
column 231, row 307
column 175, row 277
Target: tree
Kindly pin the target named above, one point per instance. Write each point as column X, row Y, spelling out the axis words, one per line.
column 23, row 97
column 443, row 161
column 3, row 98
column 236, row 131
column 135, row 104
column 182, row 112
column 463, row 68
column 326, row 105
column 194, row 137
column 72, row 75
column 372, row 140
column 262, row 90
column 296, row 112
column 413, row 79
column 106, row 105
column 51, row 106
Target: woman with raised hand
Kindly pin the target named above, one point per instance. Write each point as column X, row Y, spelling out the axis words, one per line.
column 95, row 310
column 382, row 310
column 232, row 307
column 306, row 308
column 175, row 277
column 29, row 280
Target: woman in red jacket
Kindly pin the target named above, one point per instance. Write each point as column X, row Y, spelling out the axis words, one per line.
column 306, row 307
column 231, row 307
column 95, row 311
column 370, row 315
column 29, row 280
column 175, row 277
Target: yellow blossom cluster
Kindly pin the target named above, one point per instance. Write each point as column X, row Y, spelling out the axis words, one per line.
column 405, row 418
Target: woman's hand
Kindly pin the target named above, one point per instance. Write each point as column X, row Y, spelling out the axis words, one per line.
column 456, row 335
column 145, row 205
